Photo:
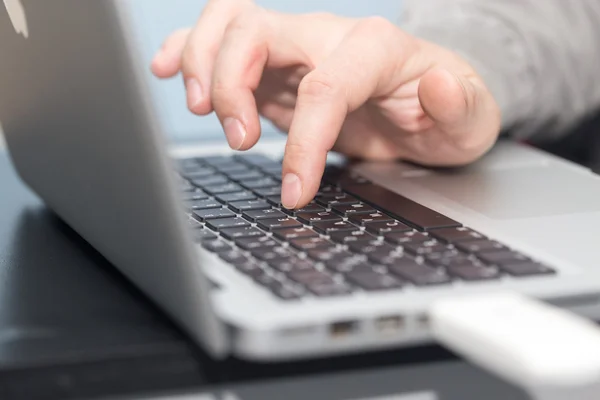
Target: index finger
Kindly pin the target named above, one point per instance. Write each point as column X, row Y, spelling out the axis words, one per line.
column 341, row 84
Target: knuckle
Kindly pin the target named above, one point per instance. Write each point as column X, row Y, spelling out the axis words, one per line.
column 249, row 20
column 377, row 25
column 318, row 85
column 219, row 91
column 189, row 57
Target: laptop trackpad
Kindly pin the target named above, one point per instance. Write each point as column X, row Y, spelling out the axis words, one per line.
column 526, row 192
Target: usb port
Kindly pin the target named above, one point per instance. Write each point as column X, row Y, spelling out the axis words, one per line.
column 343, row 328
column 423, row 321
column 390, row 324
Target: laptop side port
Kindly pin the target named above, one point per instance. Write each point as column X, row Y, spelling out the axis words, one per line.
column 390, row 324
column 423, row 322
column 341, row 329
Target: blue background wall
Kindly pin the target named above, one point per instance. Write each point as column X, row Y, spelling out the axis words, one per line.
column 155, row 19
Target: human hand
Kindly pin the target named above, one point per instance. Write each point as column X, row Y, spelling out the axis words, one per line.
column 362, row 87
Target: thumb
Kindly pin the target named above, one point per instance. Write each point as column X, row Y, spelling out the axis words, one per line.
column 461, row 107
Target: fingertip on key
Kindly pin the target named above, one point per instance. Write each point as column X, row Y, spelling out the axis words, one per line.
column 291, row 190
column 235, row 133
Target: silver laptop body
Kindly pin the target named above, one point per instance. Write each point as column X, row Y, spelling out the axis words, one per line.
column 82, row 133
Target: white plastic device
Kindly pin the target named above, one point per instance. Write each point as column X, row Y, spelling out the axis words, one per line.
column 549, row 352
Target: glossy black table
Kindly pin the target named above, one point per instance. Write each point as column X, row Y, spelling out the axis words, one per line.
column 72, row 327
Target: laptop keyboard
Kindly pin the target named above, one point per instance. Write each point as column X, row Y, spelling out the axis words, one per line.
column 354, row 236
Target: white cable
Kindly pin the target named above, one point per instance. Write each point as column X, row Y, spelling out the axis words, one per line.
column 549, row 352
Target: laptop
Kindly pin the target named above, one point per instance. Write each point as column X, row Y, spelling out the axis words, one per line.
column 201, row 231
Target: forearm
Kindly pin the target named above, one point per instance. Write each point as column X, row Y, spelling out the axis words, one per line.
column 539, row 58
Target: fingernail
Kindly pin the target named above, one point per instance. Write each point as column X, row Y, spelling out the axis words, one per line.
column 291, row 190
column 194, row 92
column 235, row 132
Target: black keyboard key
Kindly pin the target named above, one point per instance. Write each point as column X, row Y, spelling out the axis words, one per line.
column 193, row 223
column 234, row 257
column 274, row 200
column 352, row 177
column 241, row 176
column 184, row 164
column 383, row 228
column 205, row 215
column 286, row 293
column 372, row 246
column 330, row 289
column 270, row 166
column 310, row 277
column 239, row 233
column 215, row 160
column 271, row 254
column 474, row 272
column 363, row 219
column 329, row 254
column 235, row 196
column 288, row 234
column 201, row 235
column 385, row 257
column 312, row 217
column 292, row 264
column 268, row 191
column 253, row 243
column 257, row 215
column 249, row 205
column 259, row 183
column 254, row 159
column 454, row 235
column 278, row 223
column 309, row 208
column 502, row 258
column 232, row 167
column 373, row 281
column 186, row 187
column 328, row 189
column 480, row 246
column 419, row 274
column 334, row 226
column 250, row 268
column 354, row 263
column 198, row 173
column 350, row 209
column 527, row 269
column 223, row 188
column 224, row 223
column 339, row 176
column 305, row 244
column 401, row 207
column 195, row 195
column 448, row 258
column 335, row 199
column 213, row 179
column 346, row 237
column 202, row 204
column 274, row 170
column 425, row 248
column 404, row 238
column 268, row 281
column 216, row 246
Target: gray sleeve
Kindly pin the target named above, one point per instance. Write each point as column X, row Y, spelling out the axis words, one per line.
column 540, row 58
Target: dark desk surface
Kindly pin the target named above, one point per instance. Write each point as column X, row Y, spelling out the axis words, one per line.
column 71, row 327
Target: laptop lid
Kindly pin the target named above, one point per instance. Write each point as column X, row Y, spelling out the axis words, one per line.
column 81, row 132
